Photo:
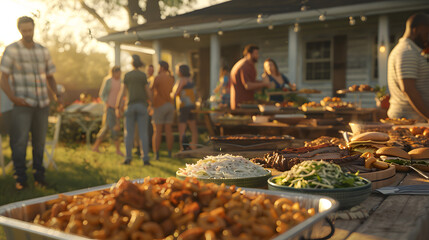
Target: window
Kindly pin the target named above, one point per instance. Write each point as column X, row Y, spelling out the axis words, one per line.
column 318, row 60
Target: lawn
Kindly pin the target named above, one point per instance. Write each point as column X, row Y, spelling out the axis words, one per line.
column 79, row 167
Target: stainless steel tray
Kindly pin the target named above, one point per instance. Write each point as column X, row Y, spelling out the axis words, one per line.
column 13, row 216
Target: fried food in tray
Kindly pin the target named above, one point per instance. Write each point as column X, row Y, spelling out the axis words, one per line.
column 325, row 140
column 248, row 139
column 403, row 137
column 170, row 208
column 398, row 121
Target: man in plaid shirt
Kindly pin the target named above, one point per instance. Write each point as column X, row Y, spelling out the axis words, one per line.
column 27, row 73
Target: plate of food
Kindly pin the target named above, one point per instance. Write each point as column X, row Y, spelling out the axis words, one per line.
column 398, row 121
column 312, row 107
column 227, row 169
column 396, row 157
column 323, row 178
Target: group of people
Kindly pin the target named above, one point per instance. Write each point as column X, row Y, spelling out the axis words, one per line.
column 243, row 78
column 137, row 97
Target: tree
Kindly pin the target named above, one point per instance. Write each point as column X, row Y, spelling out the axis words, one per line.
column 137, row 11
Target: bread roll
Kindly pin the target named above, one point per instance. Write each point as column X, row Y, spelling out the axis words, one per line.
column 374, row 136
column 419, row 153
column 394, row 152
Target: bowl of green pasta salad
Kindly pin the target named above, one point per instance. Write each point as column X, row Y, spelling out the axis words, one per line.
column 227, row 169
column 323, row 178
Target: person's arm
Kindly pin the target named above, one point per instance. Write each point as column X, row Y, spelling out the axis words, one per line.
column 52, row 84
column 119, row 101
column 249, row 85
column 179, row 88
column 9, row 93
column 415, row 98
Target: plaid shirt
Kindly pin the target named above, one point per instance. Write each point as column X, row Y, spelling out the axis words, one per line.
column 28, row 68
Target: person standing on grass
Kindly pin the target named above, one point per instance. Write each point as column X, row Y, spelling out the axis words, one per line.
column 163, row 109
column 109, row 92
column 136, row 88
column 30, row 66
column 184, row 94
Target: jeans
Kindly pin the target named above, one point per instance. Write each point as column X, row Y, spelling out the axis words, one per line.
column 136, row 113
column 26, row 120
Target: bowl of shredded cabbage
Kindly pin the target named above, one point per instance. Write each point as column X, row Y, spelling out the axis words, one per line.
column 228, row 169
column 323, row 178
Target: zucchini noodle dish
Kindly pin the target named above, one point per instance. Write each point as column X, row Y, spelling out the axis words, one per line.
column 319, row 175
column 223, row 167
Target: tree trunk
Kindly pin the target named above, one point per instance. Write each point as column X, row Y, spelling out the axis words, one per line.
column 153, row 11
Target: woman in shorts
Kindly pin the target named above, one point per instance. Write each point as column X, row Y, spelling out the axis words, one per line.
column 163, row 109
column 184, row 94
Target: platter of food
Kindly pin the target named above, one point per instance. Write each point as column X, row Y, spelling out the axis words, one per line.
column 356, row 88
column 323, row 178
column 290, row 119
column 312, row 107
column 398, row 121
column 249, row 139
column 159, row 208
column 227, row 169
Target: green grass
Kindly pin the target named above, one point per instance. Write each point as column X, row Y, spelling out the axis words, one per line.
column 79, row 167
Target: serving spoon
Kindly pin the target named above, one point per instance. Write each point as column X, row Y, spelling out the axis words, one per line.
column 419, row 172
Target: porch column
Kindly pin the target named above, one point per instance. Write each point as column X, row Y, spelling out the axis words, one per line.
column 214, row 61
column 117, row 54
column 293, row 57
column 383, row 49
column 157, row 56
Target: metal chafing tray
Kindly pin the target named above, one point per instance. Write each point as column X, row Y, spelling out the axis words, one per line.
column 13, row 216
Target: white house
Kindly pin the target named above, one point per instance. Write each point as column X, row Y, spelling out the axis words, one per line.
column 322, row 44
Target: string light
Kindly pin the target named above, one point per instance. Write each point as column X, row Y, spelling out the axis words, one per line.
column 303, row 8
column 352, row 21
column 322, row 17
column 363, row 18
column 196, row 38
column 186, row 34
column 259, row 20
column 271, row 27
column 220, row 32
column 382, row 48
column 296, row 27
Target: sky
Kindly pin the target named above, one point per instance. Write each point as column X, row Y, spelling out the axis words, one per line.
column 11, row 10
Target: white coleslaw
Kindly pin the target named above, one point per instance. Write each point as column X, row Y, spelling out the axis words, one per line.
column 223, row 166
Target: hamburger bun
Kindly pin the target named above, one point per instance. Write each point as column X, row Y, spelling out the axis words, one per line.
column 393, row 151
column 380, row 165
column 419, row 153
column 373, row 136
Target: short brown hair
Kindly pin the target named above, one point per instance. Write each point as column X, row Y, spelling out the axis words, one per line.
column 249, row 49
column 115, row 69
column 24, row 19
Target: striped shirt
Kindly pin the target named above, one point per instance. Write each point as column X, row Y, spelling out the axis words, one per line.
column 406, row 62
column 28, row 68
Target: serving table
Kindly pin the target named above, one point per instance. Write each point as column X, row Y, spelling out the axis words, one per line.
column 390, row 217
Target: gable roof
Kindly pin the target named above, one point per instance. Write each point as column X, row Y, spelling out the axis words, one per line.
column 242, row 14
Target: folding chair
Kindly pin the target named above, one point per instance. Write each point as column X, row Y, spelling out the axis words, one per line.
column 52, row 144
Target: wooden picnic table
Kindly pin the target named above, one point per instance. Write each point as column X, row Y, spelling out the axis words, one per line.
column 390, row 216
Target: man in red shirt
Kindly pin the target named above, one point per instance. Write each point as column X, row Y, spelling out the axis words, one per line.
column 243, row 77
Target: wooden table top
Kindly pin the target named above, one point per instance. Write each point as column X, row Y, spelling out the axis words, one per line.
column 390, row 216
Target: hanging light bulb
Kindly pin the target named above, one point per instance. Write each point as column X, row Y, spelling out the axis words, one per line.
column 196, row 38
column 352, row 21
column 303, row 8
column 271, row 27
column 220, row 32
column 186, row 34
column 363, row 18
column 296, row 27
column 259, row 19
column 322, row 17
column 382, row 48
